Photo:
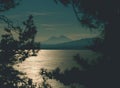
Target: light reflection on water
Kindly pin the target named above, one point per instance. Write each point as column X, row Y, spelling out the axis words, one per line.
column 50, row 59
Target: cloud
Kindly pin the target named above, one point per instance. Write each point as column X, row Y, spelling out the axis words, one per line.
column 82, row 35
column 41, row 13
column 47, row 25
column 15, row 16
column 54, row 25
column 50, row 29
column 22, row 15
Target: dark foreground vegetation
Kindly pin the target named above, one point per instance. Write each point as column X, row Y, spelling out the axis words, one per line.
column 13, row 50
column 104, row 73
column 94, row 14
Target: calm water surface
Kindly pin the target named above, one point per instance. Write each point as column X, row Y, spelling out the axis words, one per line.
column 51, row 59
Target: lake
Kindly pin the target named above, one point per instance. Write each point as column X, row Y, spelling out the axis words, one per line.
column 51, row 59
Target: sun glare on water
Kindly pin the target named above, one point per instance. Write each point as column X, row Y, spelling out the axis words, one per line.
column 50, row 60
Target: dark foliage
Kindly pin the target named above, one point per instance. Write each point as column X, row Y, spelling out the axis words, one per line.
column 24, row 45
column 105, row 72
column 15, row 50
column 10, row 78
column 8, row 4
column 105, row 10
column 98, row 75
column 95, row 13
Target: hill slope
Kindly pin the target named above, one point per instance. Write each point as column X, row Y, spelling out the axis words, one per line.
column 57, row 40
column 77, row 44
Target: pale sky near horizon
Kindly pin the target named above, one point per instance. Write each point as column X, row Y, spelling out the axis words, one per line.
column 51, row 19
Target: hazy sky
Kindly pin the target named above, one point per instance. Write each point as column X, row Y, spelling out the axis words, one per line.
column 50, row 18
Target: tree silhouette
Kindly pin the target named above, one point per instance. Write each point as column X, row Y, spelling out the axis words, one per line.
column 95, row 13
column 17, row 44
column 8, row 4
column 105, row 72
column 15, row 50
column 11, row 46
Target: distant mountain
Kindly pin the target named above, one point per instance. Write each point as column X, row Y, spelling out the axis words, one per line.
column 77, row 44
column 57, row 40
